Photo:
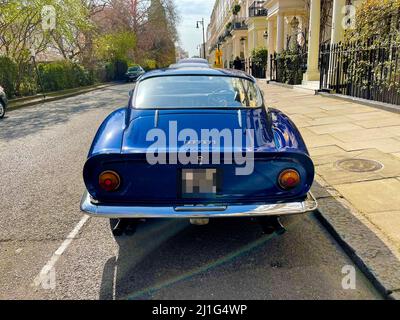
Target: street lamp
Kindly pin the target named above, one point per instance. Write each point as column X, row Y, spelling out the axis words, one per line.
column 204, row 36
column 33, row 57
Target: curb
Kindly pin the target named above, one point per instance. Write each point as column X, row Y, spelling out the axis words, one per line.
column 370, row 103
column 40, row 99
column 291, row 86
column 351, row 253
column 351, row 231
column 375, row 260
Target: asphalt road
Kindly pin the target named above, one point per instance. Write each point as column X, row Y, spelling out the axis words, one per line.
column 42, row 152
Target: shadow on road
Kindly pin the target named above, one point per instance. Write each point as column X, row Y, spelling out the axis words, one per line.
column 167, row 253
column 229, row 259
column 28, row 120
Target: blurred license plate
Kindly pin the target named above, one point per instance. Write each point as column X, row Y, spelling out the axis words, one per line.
column 199, row 183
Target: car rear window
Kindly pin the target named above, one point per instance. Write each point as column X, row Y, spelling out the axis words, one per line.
column 196, row 92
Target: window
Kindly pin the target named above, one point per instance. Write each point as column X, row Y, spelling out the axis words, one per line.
column 196, row 92
column 133, row 69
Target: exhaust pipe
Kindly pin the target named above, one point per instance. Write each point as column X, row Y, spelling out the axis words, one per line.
column 271, row 225
column 200, row 222
column 125, row 226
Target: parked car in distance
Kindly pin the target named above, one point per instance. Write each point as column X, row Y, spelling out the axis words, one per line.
column 188, row 65
column 134, row 73
column 3, row 102
column 176, row 106
column 194, row 60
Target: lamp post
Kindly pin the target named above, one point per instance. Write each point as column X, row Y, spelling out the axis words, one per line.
column 33, row 57
column 265, row 35
column 204, row 36
column 243, row 43
column 199, row 48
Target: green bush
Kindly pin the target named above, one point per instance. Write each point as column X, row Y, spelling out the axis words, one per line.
column 260, row 55
column 149, row 64
column 23, row 81
column 110, row 71
column 28, row 85
column 62, row 75
column 115, row 70
column 236, row 9
column 8, row 75
column 121, row 67
column 291, row 66
column 98, row 74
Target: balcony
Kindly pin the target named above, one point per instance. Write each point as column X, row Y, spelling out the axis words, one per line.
column 257, row 9
column 227, row 33
column 239, row 25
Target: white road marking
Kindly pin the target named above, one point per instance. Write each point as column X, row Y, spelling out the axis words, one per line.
column 43, row 274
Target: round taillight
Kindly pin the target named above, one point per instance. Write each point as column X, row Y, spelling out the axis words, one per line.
column 109, row 180
column 289, row 179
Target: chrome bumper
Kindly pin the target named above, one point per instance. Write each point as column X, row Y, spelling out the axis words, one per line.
column 201, row 211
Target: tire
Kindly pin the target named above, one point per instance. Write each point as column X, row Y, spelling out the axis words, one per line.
column 2, row 110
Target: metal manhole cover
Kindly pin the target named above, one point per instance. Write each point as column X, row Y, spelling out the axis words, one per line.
column 359, row 165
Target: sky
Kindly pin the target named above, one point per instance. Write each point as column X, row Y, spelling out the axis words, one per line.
column 190, row 12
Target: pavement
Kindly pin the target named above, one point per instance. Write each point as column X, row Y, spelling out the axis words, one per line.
column 340, row 136
column 42, row 152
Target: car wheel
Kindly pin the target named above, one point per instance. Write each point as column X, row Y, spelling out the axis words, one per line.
column 2, row 110
column 119, row 227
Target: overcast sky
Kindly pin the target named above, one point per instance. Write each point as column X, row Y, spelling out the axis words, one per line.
column 191, row 11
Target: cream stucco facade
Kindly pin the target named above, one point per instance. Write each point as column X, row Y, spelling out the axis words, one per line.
column 236, row 35
column 274, row 24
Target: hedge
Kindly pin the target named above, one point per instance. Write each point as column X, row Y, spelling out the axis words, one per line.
column 115, row 70
column 291, row 66
column 8, row 75
column 64, row 75
column 59, row 75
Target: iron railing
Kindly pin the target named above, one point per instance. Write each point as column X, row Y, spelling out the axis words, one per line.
column 288, row 67
column 238, row 24
column 258, row 68
column 257, row 9
column 362, row 70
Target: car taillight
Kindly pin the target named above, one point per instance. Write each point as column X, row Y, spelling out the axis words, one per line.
column 109, row 180
column 289, row 179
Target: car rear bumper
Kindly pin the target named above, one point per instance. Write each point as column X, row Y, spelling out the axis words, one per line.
column 92, row 208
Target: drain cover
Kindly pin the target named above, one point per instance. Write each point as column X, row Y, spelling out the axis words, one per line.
column 359, row 165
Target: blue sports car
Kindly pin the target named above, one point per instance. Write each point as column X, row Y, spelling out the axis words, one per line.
column 198, row 143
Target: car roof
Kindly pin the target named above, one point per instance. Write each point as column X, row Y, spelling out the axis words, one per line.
column 194, row 71
column 189, row 65
column 193, row 60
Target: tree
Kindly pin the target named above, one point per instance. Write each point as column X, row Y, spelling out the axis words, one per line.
column 22, row 26
column 372, row 61
column 89, row 32
column 161, row 25
column 377, row 21
column 22, row 32
column 115, row 46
